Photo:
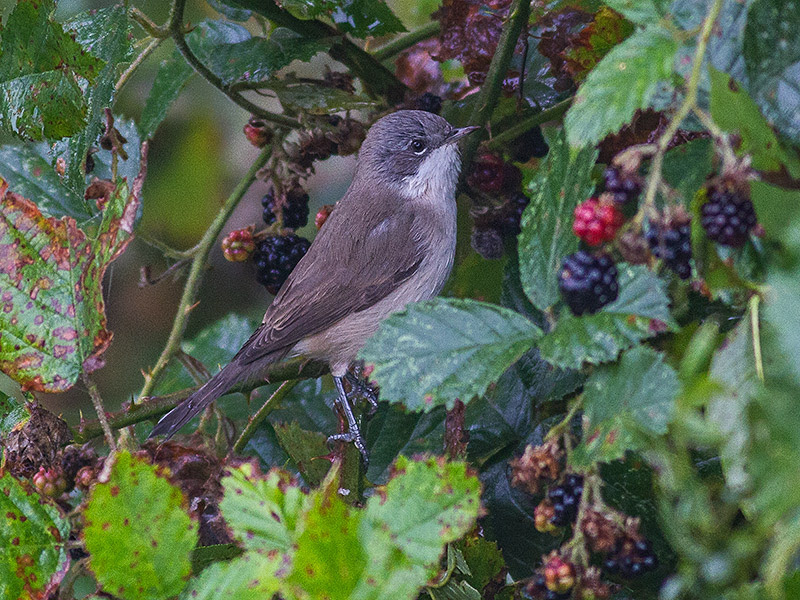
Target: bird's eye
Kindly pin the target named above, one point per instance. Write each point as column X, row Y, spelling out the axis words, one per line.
column 418, row 146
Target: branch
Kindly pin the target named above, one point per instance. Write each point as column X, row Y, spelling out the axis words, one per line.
column 177, row 33
column 490, row 92
column 273, row 402
column 150, row 408
column 379, row 80
column 199, row 259
column 395, row 47
column 105, row 428
column 554, row 112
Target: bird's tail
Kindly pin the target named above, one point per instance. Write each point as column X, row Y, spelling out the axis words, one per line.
column 215, row 387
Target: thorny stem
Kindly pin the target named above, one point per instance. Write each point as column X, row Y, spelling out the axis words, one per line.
column 199, row 259
column 177, row 33
column 123, row 79
column 490, row 92
column 273, row 402
column 688, row 105
column 94, row 394
column 513, row 132
column 148, row 25
column 559, row 428
column 395, row 47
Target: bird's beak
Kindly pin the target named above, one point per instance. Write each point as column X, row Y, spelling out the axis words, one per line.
column 457, row 134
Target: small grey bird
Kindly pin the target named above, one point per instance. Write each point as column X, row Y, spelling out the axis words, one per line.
column 390, row 241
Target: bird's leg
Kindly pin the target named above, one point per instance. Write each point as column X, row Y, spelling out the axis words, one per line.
column 360, row 388
column 353, row 434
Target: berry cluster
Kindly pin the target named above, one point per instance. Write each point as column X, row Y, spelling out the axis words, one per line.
column 597, row 220
column 566, row 498
column 728, row 214
column 669, row 237
column 588, row 282
column 623, row 186
column 555, row 580
column 631, row 557
column 291, row 207
column 50, row 482
column 238, row 245
column 276, row 257
column 537, row 464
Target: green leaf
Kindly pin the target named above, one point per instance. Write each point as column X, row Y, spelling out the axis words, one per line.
column 234, row 14
column 12, row 413
column 557, row 188
column 772, row 59
column 33, row 536
column 782, row 309
column 27, row 170
column 107, row 34
column 626, row 321
column 315, row 99
column 262, row 511
column 305, row 448
column 624, row 403
column 687, row 166
column 623, row 82
column 172, row 76
column 642, row 12
column 777, row 208
column 734, row 111
column 53, row 325
column 252, row 576
column 138, row 532
column 435, row 352
column 203, row 556
column 233, row 54
column 427, row 504
column 40, row 67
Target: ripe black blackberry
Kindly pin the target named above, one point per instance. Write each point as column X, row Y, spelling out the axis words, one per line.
column 625, row 187
column 588, row 282
column 270, row 213
column 429, row 103
column 275, row 257
column 669, row 238
column 728, row 215
column 566, row 498
column 631, row 558
column 295, row 209
column 530, row 144
column 487, row 242
column 512, row 214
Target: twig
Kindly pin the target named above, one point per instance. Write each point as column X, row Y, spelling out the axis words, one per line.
column 755, row 328
column 123, row 79
column 101, row 411
column 177, row 33
column 559, row 428
column 199, row 259
column 396, row 46
column 147, row 24
column 688, row 104
column 554, row 112
column 490, row 92
column 271, row 404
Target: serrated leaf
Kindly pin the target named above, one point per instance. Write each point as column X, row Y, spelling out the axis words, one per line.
column 230, row 12
column 642, row 12
column 33, row 536
column 306, row 448
column 623, row 82
column 40, row 67
column 640, row 311
column 782, row 310
column 772, row 59
column 108, row 34
column 777, row 208
column 435, row 352
column 734, row 111
column 252, row 576
column 687, row 166
column 263, row 511
column 233, row 54
column 172, row 76
column 138, row 532
column 624, row 403
column 557, row 188
column 53, row 324
column 315, row 99
column 12, row 413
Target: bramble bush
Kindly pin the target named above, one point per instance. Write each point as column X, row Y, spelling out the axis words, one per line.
column 603, row 402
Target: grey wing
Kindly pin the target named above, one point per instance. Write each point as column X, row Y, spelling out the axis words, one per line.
column 342, row 273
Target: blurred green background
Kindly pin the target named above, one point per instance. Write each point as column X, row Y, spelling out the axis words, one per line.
column 196, row 158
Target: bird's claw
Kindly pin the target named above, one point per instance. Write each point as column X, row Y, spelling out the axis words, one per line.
column 356, row 439
column 359, row 388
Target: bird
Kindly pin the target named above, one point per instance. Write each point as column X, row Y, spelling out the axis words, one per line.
column 388, row 242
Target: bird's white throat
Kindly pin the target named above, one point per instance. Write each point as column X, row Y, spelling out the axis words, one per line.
column 436, row 177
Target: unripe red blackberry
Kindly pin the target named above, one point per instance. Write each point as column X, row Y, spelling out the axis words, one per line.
column 50, row 482
column 85, row 477
column 559, row 574
column 73, row 459
column 238, row 245
column 429, row 103
column 588, row 282
column 543, row 516
column 487, row 173
column 275, row 257
column 624, row 186
column 322, row 215
column 669, row 237
column 597, row 221
column 257, row 132
column 488, row 243
column 728, row 214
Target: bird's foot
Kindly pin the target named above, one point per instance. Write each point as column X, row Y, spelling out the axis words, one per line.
column 353, row 433
column 360, row 388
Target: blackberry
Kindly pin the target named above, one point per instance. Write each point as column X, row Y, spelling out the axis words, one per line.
column 487, row 173
column 588, row 282
column 270, row 212
column 295, row 210
column 566, row 498
column 631, row 558
column 625, row 187
column 512, row 214
column 238, row 245
column 728, row 215
column 429, row 103
column 669, row 238
column 257, row 132
column 530, row 144
column 537, row 588
column 275, row 257
column 597, row 221
column 488, row 243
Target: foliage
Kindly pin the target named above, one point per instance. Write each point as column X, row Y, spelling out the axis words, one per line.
column 672, row 409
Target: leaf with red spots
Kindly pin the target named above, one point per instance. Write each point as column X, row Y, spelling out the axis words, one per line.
column 32, row 537
column 52, row 315
column 41, row 70
column 252, row 576
column 138, row 531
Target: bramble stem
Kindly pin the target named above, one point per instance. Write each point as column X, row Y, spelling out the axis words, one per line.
column 123, row 79
column 94, row 394
column 396, row 46
column 199, row 259
column 513, row 132
column 271, row 404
